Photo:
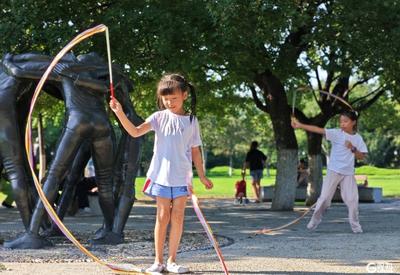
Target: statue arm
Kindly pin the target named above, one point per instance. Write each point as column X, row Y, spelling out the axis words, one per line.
column 90, row 83
column 35, row 71
column 73, row 71
column 33, row 57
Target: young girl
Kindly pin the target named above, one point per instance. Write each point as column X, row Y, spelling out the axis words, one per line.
column 346, row 146
column 177, row 143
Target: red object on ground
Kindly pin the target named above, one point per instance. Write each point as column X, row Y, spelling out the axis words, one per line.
column 240, row 188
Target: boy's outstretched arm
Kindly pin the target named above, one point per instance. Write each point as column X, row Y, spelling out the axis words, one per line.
column 310, row 128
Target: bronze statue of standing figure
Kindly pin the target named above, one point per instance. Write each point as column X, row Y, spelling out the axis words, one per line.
column 83, row 85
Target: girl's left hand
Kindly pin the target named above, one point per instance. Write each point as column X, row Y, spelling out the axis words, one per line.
column 190, row 189
column 207, row 183
column 348, row 144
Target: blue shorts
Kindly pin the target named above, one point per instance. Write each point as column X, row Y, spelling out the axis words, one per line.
column 256, row 174
column 154, row 190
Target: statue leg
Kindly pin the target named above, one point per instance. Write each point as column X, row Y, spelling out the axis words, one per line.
column 15, row 170
column 20, row 192
column 127, row 176
column 70, row 183
column 102, row 153
column 66, row 151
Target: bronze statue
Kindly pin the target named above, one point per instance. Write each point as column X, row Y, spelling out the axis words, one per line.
column 124, row 171
column 11, row 148
column 87, row 132
column 86, row 119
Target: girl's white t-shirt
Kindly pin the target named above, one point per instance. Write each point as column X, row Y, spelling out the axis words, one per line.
column 175, row 136
column 341, row 158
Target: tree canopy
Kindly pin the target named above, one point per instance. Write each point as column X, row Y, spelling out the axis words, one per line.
column 235, row 52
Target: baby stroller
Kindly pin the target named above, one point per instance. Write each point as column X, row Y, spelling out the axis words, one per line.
column 240, row 195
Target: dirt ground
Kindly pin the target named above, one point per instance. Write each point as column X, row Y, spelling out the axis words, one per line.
column 331, row 249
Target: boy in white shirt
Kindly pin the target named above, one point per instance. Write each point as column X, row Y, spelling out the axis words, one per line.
column 347, row 145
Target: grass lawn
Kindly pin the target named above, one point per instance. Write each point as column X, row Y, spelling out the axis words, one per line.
column 388, row 179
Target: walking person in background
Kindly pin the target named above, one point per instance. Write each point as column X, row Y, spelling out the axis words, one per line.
column 255, row 161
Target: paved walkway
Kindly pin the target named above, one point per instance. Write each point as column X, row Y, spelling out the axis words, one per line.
column 331, row 249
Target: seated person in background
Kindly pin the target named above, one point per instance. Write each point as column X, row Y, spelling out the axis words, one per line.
column 87, row 186
column 362, row 180
column 302, row 174
column 240, row 195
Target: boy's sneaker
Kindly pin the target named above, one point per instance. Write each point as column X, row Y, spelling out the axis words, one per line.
column 312, row 225
column 156, row 267
column 236, row 202
column 246, row 201
column 175, row 268
column 358, row 231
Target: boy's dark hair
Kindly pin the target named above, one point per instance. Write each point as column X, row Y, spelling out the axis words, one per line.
column 350, row 114
column 253, row 145
column 172, row 82
column 353, row 115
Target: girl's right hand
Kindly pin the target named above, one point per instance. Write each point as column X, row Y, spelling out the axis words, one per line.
column 115, row 105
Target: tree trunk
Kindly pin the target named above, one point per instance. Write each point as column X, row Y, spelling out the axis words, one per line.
column 315, row 165
column 277, row 106
column 286, row 177
column 230, row 165
column 315, row 179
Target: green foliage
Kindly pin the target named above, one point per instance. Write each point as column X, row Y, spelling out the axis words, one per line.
column 232, row 132
column 380, row 127
column 221, row 46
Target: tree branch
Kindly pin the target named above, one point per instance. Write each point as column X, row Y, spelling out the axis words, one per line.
column 371, row 93
column 259, row 104
column 301, row 116
column 358, row 83
column 371, row 101
column 329, row 80
column 318, row 79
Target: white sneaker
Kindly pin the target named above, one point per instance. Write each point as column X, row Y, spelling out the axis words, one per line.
column 357, row 231
column 175, row 268
column 312, row 225
column 156, row 267
column 83, row 211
